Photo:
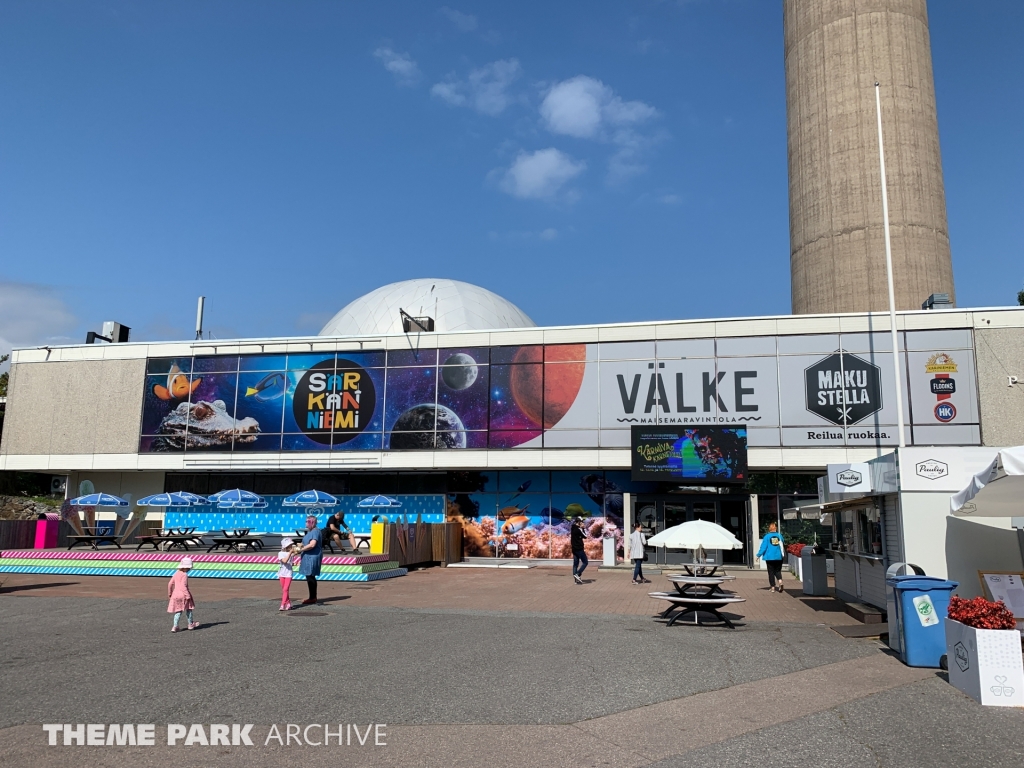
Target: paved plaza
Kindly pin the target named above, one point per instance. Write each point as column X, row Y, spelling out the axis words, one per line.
column 471, row 667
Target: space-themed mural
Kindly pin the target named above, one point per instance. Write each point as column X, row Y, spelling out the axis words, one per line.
column 500, row 397
column 783, row 391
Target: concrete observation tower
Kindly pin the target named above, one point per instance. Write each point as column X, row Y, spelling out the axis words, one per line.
column 835, row 50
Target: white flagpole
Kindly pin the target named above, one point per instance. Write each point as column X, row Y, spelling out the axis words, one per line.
column 888, row 270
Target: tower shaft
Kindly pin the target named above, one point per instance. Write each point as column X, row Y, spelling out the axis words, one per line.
column 835, row 50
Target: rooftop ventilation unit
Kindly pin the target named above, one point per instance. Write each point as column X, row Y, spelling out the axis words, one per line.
column 937, row 301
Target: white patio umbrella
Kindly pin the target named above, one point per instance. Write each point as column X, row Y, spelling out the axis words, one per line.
column 996, row 491
column 697, row 535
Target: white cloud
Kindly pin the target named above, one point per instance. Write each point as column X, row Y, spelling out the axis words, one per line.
column 401, row 65
column 32, row 315
column 540, row 174
column 485, row 89
column 463, row 21
column 587, row 108
column 549, row 234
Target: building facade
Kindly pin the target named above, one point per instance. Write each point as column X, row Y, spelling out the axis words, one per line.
column 514, row 431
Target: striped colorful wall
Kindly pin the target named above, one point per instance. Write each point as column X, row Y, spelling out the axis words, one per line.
column 209, row 566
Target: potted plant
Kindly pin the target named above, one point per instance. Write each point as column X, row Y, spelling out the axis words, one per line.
column 983, row 652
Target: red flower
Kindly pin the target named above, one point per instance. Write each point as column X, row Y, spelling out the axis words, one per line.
column 795, row 549
column 981, row 613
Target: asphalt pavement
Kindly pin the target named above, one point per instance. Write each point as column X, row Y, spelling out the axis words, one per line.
column 465, row 687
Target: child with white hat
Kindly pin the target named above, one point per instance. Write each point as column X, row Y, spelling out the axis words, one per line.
column 180, row 597
column 287, row 557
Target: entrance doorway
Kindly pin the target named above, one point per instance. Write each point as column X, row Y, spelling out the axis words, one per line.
column 655, row 514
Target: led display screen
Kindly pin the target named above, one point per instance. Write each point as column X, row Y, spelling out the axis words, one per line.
column 693, row 455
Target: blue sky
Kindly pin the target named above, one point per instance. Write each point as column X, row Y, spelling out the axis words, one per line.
column 592, row 162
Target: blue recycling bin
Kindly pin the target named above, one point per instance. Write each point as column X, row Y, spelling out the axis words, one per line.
column 922, row 603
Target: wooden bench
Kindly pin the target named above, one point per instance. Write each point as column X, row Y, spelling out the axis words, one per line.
column 695, row 605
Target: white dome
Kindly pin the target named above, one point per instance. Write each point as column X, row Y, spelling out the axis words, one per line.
column 455, row 306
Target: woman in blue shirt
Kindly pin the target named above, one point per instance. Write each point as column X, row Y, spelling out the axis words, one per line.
column 773, row 551
column 312, row 556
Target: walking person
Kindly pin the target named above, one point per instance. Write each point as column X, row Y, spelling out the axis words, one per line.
column 577, row 541
column 773, row 551
column 288, row 558
column 311, row 558
column 637, row 542
column 180, row 598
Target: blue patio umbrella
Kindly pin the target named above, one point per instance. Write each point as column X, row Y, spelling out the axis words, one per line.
column 239, row 499
column 195, row 499
column 164, row 500
column 310, row 499
column 375, row 502
column 99, row 500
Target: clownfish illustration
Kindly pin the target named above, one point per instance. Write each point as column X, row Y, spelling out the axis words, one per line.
column 178, row 386
column 514, row 520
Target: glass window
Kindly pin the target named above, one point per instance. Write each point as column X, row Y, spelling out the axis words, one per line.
column 527, row 354
column 327, row 482
column 263, row 363
column 870, row 531
column 373, row 483
column 421, row 483
column 517, row 399
column 216, row 364
column 279, row 485
column 457, row 356
column 472, row 482
column 306, row 361
column 164, row 365
column 190, row 483
column 534, row 481
column 411, row 357
column 845, row 531
column 410, row 400
column 798, row 483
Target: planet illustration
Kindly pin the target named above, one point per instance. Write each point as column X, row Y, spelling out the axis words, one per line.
column 459, row 371
column 414, row 429
column 545, row 393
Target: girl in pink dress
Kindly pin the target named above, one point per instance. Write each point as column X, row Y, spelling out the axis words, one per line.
column 180, row 597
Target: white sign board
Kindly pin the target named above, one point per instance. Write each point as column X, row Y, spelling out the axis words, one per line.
column 849, row 479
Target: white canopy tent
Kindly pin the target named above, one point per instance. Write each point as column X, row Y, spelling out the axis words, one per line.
column 996, row 491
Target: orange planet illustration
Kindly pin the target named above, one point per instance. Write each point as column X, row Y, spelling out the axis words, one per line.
column 545, row 391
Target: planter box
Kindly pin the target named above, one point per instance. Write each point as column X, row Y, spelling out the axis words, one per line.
column 986, row 664
column 796, row 566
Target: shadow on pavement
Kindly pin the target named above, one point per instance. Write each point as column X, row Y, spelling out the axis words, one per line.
column 25, row 587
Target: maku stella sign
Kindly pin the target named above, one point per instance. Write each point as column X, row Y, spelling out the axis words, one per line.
column 843, row 389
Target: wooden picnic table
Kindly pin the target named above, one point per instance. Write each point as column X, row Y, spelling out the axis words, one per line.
column 236, row 541
column 93, row 539
column 695, row 605
column 181, row 540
